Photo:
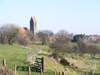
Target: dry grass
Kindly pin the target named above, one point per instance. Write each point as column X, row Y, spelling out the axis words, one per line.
column 5, row 71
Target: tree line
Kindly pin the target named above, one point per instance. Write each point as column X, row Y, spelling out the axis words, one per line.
column 60, row 42
column 63, row 42
column 10, row 34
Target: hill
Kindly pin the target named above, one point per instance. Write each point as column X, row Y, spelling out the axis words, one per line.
column 15, row 54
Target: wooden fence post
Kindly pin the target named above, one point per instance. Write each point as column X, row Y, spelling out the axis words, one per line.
column 63, row 73
column 4, row 62
column 59, row 73
column 15, row 69
column 29, row 71
column 55, row 72
column 42, row 64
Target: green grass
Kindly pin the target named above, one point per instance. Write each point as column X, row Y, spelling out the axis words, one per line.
column 15, row 54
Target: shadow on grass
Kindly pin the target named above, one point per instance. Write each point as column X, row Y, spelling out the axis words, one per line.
column 26, row 68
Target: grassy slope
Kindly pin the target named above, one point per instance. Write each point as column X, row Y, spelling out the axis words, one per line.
column 87, row 62
column 13, row 54
column 86, row 59
column 17, row 55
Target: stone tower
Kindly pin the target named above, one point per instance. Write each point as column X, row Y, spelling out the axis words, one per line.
column 33, row 25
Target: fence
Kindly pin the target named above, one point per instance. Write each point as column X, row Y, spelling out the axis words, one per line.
column 30, row 69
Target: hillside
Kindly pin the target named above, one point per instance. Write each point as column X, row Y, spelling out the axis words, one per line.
column 15, row 54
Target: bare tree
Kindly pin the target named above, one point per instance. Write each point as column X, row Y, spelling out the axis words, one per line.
column 43, row 38
column 8, row 34
column 82, row 46
column 62, row 42
column 93, row 50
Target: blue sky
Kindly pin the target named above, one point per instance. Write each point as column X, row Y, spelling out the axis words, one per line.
column 75, row 16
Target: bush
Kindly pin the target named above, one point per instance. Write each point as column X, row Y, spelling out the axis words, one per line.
column 64, row 62
column 23, row 40
column 5, row 71
column 55, row 55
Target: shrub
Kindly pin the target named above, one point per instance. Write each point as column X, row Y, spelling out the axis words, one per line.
column 5, row 71
column 64, row 62
column 23, row 40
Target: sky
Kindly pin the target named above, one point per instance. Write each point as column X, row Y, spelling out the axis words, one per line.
column 74, row 16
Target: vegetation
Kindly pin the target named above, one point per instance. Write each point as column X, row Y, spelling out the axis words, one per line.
column 78, row 37
column 44, row 36
column 61, row 54
column 5, row 71
column 19, row 57
column 8, row 34
column 11, row 34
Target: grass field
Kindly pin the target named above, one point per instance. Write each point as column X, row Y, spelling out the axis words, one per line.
column 86, row 63
column 15, row 54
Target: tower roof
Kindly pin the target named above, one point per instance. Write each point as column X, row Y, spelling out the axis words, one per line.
column 34, row 19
